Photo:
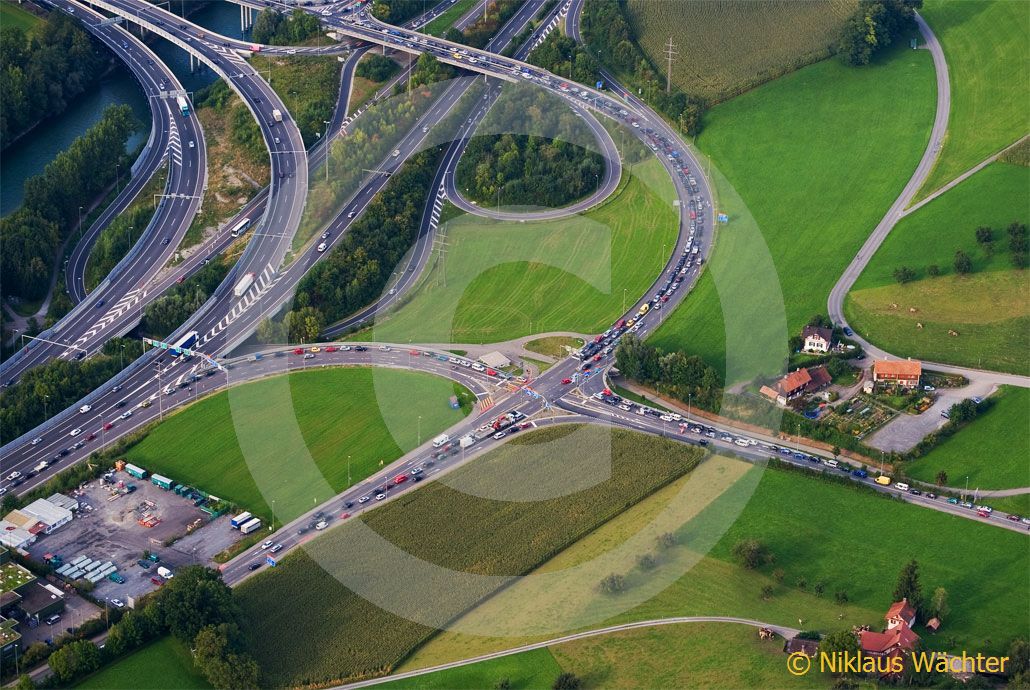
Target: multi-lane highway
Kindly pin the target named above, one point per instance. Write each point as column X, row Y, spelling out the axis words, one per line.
column 83, row 330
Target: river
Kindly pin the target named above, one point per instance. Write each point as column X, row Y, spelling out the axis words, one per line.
column 30, row 155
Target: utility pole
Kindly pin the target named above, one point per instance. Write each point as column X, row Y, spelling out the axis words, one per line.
column 670, row 51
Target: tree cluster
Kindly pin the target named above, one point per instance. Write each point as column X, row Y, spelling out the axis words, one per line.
column 168, row 312
column 608, row 33
column 358, row 268
column 275, row 28
column 873, row 27
column 197, row 608
column 479, row 33
column 535, row 161
column 987, row 240
column 31, row 236
column 42, row 71
column 675, row 373
column 49, row 388
column 376, row 67
column 398, row 11
column 115, row 242
column 752, row 554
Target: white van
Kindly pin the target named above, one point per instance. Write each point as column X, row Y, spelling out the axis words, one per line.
column 901, row 486
column 440, row 440
column 321, row 247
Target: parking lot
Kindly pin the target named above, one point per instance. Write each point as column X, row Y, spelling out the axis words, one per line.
column 108, row 526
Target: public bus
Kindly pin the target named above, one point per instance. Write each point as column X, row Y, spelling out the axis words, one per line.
column 186, row 342
column 240, row 227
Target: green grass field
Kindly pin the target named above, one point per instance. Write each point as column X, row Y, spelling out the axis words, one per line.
column 691, row 655
column 843, row 538
column 988, row 309
column 992, row 451
column 502, row 280
column 996, row 196
column 734, row 46
column 163, row 665
column 11, row 15
column 451, row 524
column 810, row 166
column 554, row 346
column 236, row 450
column 987, row 46
column 438, row 27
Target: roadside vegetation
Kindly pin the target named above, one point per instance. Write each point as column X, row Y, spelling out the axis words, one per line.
column 348, row 436
column 166, row 663
column 359, row 267
column 800, row 525
column 991, row 454
column 309, row 86
column 33, row 234
column 370, row 74
column 478, row 33
column 987, row 46
column 500, row 280
column 237, row 160
column 47, row 389
column 272, row 27
column 734, row 46
column 121, row 234
column 554, row 346
column 797, row 156
column 456, row 530
column 542, row 154
column 46, row 63
column 438, row 27
column 166, row 313
column 949, row 283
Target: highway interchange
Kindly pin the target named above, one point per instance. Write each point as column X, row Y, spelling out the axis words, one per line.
column 226, row 321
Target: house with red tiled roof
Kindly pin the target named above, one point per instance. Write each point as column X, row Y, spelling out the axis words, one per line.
column 905, row 372
column 796, row 384
column 898, row 638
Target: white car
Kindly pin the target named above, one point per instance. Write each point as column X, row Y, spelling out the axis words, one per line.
column 76, row 431
column 36, row 441
column 321, row 247
column 118, row 603
column 384, row 348
column 363, row 499
column 380, row 497
column 13, row 475
column 85, row 408
column 624, row 407
column 266, row 545
column 125, row 415
column 396, row 152
column 345, row 348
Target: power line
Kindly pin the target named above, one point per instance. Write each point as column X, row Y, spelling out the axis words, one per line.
column 670, row 51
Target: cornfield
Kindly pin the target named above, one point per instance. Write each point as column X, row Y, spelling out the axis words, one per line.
column 308, row 628
column 726, row 47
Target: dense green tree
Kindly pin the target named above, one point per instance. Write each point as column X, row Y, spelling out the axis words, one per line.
column 219, row 652
column 567, row 681
column 908, row 586
column 75, row 660
column 196, row 598
column 904, row 274
column 874, row 26
column 376, row 67
column 275, row 28
column 1019, row 244
column 751, row 553
column 963, row 264
column 939, row 604
column 839, row 642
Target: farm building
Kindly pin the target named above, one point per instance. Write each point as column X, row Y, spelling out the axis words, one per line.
column 901, row 373
column 797, row 383
column 897, row 639
column 817, row 339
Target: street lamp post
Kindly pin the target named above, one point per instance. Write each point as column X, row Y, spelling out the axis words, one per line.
column 325, row 144
column 80, row 221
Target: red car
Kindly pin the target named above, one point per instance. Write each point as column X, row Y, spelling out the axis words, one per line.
column 665, row 298
column 400, row 479
column 491, row 372
column 414, row 353
column 566, row 382
column 157, row 581
column 598, row 338
column 107, row 425
column 597, row 358
column 331, row 348
column 344, row 516
column 91, row 437
column 180, row 279
column 298, row 351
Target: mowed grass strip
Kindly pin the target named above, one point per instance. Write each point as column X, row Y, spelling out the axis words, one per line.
column 735, row 45
column 13, row 16
column 501, row 280
column 554, row 346
column 837, row 536
column 534, row 670
column 299, row 606
column 993, row 451
column 340, row 413
column 815, row 164
column 163, row 665
column 987, row 47
column 978, row 320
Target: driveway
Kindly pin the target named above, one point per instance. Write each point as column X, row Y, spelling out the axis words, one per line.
column 903, row 432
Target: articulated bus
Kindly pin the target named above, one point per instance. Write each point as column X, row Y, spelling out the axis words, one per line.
column 241, row 227
column 186, row 342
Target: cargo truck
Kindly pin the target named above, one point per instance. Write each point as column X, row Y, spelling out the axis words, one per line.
column 240, row 520
column 466, row 441
column 184, row 106
column 250, row 525
column 244, row 284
